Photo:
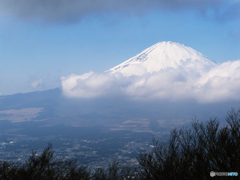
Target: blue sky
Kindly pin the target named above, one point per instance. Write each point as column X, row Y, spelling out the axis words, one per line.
column 41, row 46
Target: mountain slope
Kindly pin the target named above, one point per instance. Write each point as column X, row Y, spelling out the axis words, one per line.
column 164, row 55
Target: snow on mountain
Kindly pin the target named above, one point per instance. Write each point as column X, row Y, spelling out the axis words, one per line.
column 164, row 55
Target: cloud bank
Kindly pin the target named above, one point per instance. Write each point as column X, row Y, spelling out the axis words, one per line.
column 220, row 84
column 72, row 11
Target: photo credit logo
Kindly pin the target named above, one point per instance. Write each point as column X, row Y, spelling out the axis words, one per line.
column 212, row 174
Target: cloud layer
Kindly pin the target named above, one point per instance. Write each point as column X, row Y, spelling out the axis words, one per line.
column 220, row 84
column 74, row 10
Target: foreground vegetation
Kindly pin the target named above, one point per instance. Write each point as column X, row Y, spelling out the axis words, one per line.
column 189, row 154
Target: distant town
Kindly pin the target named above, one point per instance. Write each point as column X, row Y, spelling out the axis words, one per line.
column 122, row 145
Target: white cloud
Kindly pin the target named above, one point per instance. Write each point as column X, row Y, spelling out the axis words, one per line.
column 221, row 83
column 37, row 83
column 88, row 85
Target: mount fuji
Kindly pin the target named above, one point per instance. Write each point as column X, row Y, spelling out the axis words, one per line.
column 164, row 55
column 166, row 70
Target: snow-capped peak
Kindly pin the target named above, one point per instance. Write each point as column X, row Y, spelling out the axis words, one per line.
column 162, row 55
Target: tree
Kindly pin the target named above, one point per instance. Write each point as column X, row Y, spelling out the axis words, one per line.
column 190, row 153
column 115, row 172
column 43, row 167
column 194, row 152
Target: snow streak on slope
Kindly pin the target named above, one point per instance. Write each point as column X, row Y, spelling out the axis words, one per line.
column 161, row 56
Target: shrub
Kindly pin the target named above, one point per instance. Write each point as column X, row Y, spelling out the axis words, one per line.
column 194, row 152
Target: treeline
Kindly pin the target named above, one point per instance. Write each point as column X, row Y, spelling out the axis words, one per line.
column 190, row 153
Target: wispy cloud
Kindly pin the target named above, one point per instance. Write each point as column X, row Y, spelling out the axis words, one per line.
column 229, row 12
column 220, row 84
column 37, row 83
column 72, row 11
